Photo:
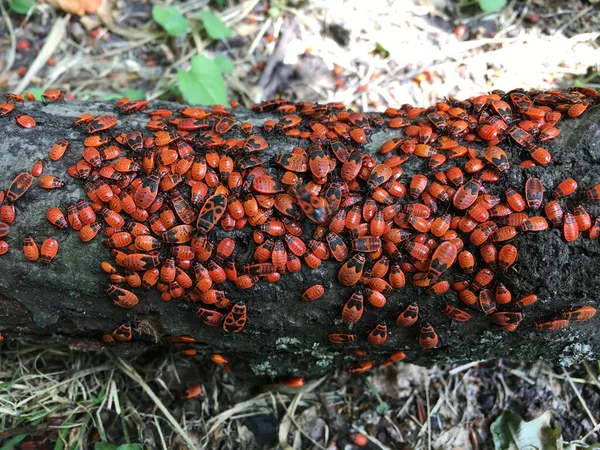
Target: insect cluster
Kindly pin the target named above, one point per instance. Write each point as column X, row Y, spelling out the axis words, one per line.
column 159, row 194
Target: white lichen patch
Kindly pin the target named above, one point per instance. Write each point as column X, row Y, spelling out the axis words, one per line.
column 263, row 368
column 284, row 342
column 575, row 353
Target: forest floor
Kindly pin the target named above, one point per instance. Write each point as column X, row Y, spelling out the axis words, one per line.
column 368, row 55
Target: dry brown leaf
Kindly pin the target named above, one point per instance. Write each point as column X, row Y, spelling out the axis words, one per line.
column 70, row 6
column 76, row 7
column 91, row 6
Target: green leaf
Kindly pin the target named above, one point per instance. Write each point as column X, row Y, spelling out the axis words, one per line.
column 274, row 11
column 196, row 92
column 103, row 445
column 130, row 447
column 171, row 20
column 511, row 432
column 203, row 84
column 134, row 94
column 214, row 26
column 60, row 442
column 221, row 3
column 21, row 6
column 492, row 5
column 111, row 96
column 225, row 64
column 204, row 67
column 37, row 93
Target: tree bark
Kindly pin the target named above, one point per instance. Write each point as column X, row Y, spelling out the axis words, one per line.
column 65, row 302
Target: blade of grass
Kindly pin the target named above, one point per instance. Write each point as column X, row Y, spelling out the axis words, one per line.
column 79, row 441
column 128, row 370
column 10, row 445
column 122, row 417
column 62, row 435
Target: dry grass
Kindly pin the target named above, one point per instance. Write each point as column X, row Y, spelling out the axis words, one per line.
column 330, row 50
column 366, row 54
column 77, row 398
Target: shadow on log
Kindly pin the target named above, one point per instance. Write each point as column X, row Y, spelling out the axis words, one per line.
column 65, row 302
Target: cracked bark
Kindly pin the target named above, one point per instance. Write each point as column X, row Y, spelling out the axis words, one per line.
column 65, row 302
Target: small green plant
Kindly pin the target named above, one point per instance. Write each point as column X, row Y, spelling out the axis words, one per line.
column 175, row 24
column 134, row 94
column 203, row 84
column 511, row 432
column 103, row 445
column 224, row 64
column 98, row 399
column 21, row 6
column 491, row 5
column 382, row 407
column 171, row 20
column 380, row 51
column 215, row 28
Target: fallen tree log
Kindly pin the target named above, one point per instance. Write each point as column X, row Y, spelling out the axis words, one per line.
column 65, row 302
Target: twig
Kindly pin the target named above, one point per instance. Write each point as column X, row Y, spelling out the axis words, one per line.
column 573, row 19
column 118, row 51
column 581, row 400
column 259, row 36
column 160, row 433
column 290, row 415
column 591, row 374
column 521, row 375
column 102, row 403
column 217, row 420
column 507, row 28
column 592, row 431
column 427, row 402
column 95, row 79
column 31, row 429
column 446, row 396
column 55, row 37
column 561, row 377
column 13, row 42
column 231, row 18
column 406, row 404
column 462, row 368
column 128, row 33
